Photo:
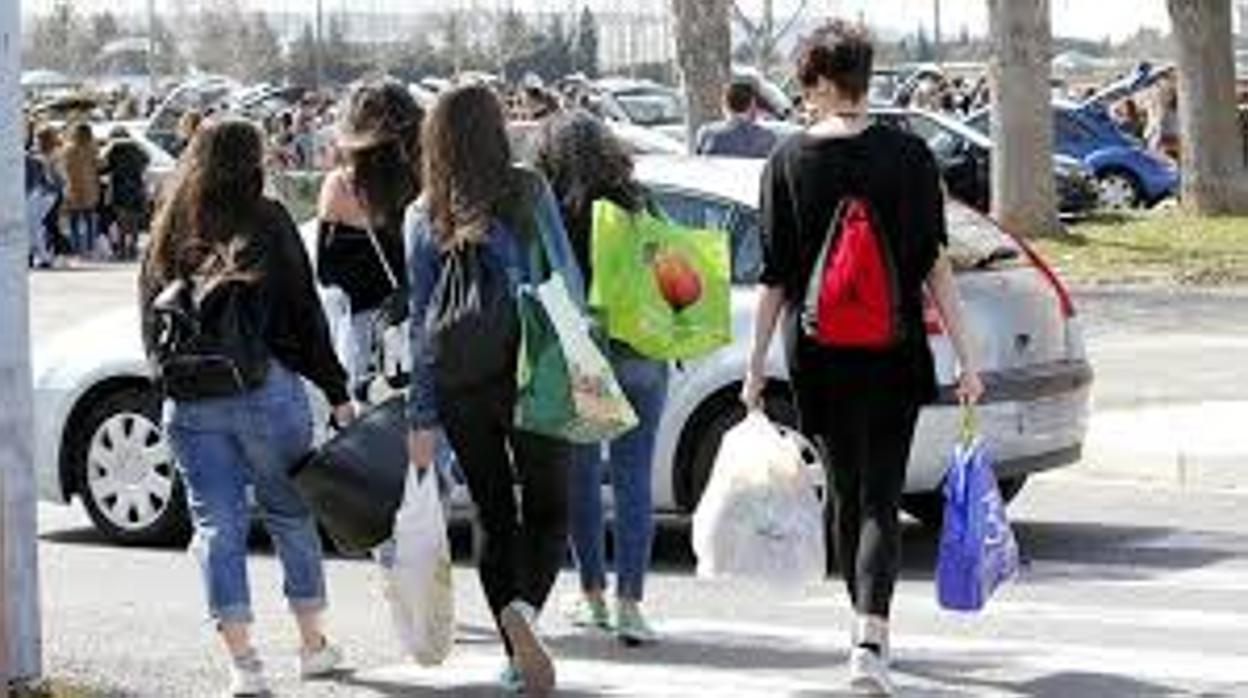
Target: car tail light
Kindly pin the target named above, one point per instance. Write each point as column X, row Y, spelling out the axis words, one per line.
column 931, row 317
column 1059, row 287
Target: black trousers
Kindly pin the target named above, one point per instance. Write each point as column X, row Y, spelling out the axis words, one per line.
column 521, row 545
column 866, row 442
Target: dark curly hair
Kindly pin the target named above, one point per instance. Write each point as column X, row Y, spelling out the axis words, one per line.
column 584, row 162
column 840, row 52
column 467, row 164
column 213, row 203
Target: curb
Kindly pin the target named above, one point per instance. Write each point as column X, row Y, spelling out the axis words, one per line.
column 1196, row 446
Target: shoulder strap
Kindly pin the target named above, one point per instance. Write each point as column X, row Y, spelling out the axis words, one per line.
column 381, row 256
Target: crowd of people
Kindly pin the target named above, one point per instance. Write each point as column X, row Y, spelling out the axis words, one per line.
column 417, row 192
column 85, row 198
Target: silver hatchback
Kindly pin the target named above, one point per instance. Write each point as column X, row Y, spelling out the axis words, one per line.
column 1036, row 372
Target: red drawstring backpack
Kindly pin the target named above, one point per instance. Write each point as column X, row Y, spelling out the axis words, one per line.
column 852, row 298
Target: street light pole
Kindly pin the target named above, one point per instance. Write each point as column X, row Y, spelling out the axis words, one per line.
column 936, row 29
column 19, row 591
column 318, row 58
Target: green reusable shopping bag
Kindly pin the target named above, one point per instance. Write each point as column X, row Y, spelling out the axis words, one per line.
column 660, row 287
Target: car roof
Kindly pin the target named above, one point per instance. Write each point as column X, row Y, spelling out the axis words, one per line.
column 734, row 179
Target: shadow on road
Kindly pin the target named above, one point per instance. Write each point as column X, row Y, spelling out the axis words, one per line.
column 1116, row 552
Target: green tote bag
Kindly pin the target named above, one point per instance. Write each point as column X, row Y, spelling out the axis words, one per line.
column 660, row 287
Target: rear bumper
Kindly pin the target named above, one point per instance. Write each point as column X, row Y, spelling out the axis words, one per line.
column 1026, row 384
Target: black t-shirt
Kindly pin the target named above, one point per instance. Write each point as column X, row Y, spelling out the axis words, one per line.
column 804, row 181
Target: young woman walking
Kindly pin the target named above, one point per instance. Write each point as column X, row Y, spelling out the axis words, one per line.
column 360, row 240
column 585, row 163
column 214, row 229
column 478, row 212
column 860, row 404
column 80, row 167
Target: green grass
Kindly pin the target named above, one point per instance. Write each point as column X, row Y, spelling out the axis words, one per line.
column 54, row 689
column 1166, row 248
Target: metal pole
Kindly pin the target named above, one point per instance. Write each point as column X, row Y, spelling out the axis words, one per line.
column 318, row 59
column 19, row 591
column 936, row 41
column 151, row 48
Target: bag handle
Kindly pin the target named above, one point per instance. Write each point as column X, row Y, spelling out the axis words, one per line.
column 381, row 256
column 969, row 423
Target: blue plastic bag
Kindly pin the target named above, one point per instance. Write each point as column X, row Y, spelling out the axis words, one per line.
column 978, row 552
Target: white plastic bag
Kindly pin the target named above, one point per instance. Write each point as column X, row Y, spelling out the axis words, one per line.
column 759, row 517
column 422, row 603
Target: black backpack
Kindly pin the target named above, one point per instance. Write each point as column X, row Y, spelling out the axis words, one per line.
column 471, row 322
column 210, row 339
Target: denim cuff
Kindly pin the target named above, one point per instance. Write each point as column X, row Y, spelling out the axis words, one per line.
column 240, row 613
column 315, row 605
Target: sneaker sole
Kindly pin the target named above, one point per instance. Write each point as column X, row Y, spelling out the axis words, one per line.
column 866, row 686
column 536, row 667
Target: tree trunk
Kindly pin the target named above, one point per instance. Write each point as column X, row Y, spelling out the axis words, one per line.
column 704, row 54
column 1215, row 179
column 18, row 568
column 1024, row 197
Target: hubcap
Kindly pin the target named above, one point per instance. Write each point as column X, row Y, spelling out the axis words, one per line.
column 130, row 471
column 1116, row 192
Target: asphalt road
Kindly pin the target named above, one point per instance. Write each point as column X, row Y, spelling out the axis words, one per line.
column 1129, row 590
column 1127, row 593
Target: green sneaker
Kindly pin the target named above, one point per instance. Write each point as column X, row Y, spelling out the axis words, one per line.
column 590, row 613
column 631, row 626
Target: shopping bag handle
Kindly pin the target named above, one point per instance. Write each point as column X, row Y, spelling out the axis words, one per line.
column 969, row 422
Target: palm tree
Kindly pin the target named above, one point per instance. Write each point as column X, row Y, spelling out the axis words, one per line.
column 704, row 54
column 1024, row 198
column 19, row 607
column 1215, row 179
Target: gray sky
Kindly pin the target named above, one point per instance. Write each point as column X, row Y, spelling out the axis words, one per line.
column 1093, row 19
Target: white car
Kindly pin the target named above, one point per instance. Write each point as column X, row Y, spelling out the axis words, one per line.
column 98, row 415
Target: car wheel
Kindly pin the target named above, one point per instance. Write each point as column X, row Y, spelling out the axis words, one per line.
column 1119, row 190
column 127, row 478
column 928, row 508
column 782, row 412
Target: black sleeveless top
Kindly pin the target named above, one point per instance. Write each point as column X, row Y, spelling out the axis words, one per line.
column 347, row 258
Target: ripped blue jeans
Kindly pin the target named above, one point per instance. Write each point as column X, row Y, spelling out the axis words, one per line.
column 225, row 445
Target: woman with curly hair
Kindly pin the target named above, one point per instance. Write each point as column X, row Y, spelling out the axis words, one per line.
column 585, row 163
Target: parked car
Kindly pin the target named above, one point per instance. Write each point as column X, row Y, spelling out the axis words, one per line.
column 965, row 159
column 1128, row 174
column 97, row 413
column 642, row 103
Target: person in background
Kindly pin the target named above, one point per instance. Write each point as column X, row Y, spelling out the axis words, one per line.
column 125, row 164
column 1163, row 125
column 859, row 404
column 476, row 199
column 188, row 126
column 80, row 166
column 738, row 135
column 584, row 164
column 235, row 451
column 1130, row 118
column 47, row 147
column 360, row 239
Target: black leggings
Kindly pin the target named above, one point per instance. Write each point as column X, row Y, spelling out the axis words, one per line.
column 867, row 446
column 520, row 546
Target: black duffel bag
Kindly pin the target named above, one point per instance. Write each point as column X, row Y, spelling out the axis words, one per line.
column 354, row 482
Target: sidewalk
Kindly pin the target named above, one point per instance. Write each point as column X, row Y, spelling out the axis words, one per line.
column 1202, row 446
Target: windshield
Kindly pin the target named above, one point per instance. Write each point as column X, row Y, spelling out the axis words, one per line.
column 975, row 242
column 651, row 107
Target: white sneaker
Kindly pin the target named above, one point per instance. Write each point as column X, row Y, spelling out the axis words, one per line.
column 247, row 680
column 530, row 655
column 868, row 673
column 321, row 663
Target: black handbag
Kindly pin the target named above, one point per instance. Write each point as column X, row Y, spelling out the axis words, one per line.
column 354, row 482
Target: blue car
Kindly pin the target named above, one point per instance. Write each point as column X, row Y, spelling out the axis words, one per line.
column 1128, row 174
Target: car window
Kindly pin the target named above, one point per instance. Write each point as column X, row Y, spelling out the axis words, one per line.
column 1069, row 130
column 740, row 223
column 945, row 145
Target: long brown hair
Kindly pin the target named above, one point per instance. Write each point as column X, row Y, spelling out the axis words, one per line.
column 380, row 131
column 467, row 164
column 212, row 204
